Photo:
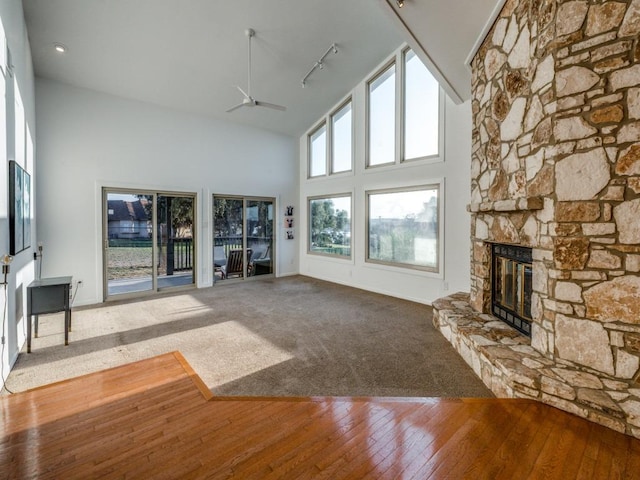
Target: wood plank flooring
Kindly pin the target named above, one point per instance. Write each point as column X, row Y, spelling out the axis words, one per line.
column 156, row 419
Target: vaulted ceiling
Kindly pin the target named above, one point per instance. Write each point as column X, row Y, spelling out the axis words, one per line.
column 189, row 54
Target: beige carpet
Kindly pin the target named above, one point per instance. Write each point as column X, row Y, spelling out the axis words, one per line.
column 292, row 336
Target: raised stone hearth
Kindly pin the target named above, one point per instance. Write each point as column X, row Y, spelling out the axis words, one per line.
column 556, row 167
column 511, row 368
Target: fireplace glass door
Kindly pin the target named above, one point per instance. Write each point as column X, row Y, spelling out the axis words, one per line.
column 512, row 285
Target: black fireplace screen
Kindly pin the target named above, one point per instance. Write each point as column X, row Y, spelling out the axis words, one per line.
column 511, row 286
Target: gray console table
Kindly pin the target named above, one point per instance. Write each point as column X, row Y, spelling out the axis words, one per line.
column 49, row 295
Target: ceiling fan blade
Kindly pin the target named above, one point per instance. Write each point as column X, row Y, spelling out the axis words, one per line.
column 242, row 92
column 235, row 107
column 271, row 105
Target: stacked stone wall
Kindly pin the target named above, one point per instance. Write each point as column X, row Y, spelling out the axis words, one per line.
column 556, row 167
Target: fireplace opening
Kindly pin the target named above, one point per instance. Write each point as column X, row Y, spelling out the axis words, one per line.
column 511, row 286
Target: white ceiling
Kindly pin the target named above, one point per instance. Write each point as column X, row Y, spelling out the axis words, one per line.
column 188, row 54
column 446, row 35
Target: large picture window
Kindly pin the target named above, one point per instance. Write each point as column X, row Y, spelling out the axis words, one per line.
column 403, row 227
column 330, row 225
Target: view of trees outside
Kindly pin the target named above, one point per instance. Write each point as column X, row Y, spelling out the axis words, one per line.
column 175, row 234
column 403, row 227
column 228, row 219
column 330, row 225
column 176, row 212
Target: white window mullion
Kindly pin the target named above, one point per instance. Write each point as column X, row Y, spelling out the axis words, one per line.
column 399, row 108
column 329, row 147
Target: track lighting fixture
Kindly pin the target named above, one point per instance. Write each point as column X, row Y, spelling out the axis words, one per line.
column 320, row 63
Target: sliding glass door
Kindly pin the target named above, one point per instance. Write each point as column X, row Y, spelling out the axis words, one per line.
column 175, row 240
column 243, row 237
column 128, row 253
column 148, row 241
column 259, row 214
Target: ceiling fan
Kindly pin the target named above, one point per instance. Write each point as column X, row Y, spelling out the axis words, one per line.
column 248, row 100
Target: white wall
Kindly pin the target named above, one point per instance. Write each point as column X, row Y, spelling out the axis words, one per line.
column 88, row 140
column 453, row 171
column 12, row 148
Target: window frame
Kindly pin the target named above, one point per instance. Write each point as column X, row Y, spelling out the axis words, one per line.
column 327, row 122
column 399, row 59
column 381, row 71
column 312, row 132
column 330, row 137
column 328, row 196
column 403, row 100
column 435, row 185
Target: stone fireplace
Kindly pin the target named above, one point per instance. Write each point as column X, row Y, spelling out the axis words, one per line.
column 555, row 168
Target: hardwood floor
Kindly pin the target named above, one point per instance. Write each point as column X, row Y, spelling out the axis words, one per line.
column 156, row 419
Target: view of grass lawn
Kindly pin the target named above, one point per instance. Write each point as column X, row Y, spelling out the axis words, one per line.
column 334, row 249
column 130, row 262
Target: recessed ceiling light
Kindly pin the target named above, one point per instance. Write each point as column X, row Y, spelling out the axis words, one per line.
column 60, row 48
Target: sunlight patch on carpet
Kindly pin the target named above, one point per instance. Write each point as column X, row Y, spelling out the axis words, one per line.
column 234, row 351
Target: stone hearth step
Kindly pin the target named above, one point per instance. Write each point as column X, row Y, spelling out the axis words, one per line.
column 512, row 368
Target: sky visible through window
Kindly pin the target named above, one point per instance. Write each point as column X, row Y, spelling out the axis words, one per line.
column 400, row 204
column 342, row 141
column 318, row 162
column 382, row 118
column 420, row 123
column 421, row 114
column 127, row 197
column 342, row 203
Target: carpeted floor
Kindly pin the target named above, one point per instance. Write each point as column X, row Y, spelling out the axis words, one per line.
column 292, row 336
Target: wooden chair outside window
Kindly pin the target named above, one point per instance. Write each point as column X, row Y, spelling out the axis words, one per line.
column 235, row 266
